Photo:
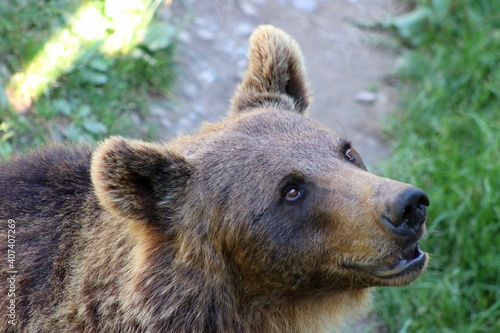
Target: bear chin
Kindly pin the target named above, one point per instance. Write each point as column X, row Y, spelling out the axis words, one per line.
column 397, row 270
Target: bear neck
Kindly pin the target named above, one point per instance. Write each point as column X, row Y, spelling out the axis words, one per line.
column 196, row 292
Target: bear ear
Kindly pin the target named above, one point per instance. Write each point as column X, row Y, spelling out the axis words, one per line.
column 276, row 75
column 138, row 181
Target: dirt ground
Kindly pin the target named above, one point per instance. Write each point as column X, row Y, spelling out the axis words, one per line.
column 349, row 69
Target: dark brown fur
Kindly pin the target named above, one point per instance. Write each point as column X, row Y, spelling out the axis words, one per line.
column 197, row 235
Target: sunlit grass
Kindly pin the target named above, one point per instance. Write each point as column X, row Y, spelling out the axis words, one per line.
column 70, row 69
column 127, row 19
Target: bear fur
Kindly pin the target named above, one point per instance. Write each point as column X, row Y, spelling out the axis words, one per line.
column 265, row 222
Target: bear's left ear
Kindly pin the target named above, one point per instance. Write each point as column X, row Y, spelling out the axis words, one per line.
column 137, row 180
column 276, row 75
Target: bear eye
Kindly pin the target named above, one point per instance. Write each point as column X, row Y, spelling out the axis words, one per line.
column 350, row 155
column 293, row 193
column 348, row 151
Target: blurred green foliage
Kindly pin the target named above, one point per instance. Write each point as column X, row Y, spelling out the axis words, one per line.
column 99, row 93
column 446, row 139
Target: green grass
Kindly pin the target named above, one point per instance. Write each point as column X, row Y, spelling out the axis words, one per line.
column 446, row 140
column 89, row 93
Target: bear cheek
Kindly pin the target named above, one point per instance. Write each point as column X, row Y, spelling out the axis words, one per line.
column 269, row 259
column 290, row 259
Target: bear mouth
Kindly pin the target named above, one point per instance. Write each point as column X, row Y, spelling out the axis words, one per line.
column 411, row 260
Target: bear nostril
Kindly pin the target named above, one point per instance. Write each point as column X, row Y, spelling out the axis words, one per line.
column 423, row 200
column 406, row 211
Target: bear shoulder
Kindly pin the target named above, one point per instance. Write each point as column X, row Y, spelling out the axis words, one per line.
column 45, row 179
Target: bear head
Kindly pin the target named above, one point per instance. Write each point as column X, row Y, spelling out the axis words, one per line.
column 280, row 203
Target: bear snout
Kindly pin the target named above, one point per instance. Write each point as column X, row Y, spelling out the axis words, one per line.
column 405, row 212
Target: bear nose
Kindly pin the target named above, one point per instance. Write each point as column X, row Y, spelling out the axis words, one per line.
column 405, row 212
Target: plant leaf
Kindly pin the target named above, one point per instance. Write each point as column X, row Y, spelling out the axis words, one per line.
column 83, row 111
column 94, row 77
column 62, row 106
column 94, row 127
column 411, row 26
column 158, row 36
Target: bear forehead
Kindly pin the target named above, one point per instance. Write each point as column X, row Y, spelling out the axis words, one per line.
column 270, row 131
column 276, row 142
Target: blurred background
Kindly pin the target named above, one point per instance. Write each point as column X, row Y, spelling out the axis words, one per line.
column 414, row 84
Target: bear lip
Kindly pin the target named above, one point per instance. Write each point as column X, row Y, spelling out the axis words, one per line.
column 410, row 260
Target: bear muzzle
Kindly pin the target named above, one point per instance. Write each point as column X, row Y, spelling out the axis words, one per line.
column 404, row 218
column 396, row 214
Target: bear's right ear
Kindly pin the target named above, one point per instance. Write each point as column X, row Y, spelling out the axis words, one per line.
column 276, row 75
column 137, row 180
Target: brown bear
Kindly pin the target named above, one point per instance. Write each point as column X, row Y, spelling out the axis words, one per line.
column 265, row 222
